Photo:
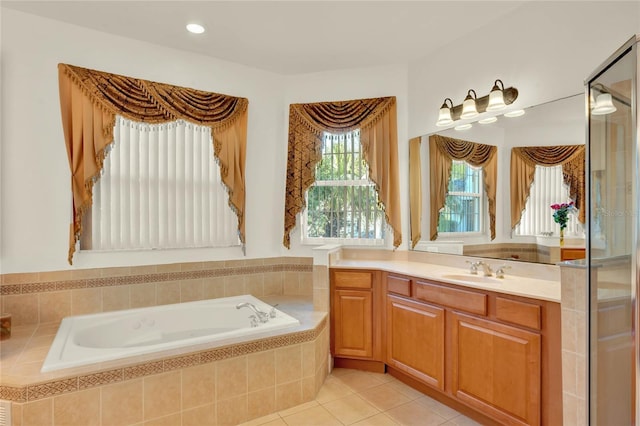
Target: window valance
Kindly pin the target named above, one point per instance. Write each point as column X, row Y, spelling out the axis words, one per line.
column 90, row 101
column 442, row 152
column 376, row 119
column 523, row 165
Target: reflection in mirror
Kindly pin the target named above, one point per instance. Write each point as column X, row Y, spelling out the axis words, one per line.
column 558, row 126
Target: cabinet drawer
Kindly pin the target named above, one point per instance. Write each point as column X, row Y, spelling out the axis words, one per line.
column 520, row 313
column 399, row 285
column 468, row 301
column 352, row 279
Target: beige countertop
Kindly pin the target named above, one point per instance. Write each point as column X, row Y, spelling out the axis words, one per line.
column 511, row 284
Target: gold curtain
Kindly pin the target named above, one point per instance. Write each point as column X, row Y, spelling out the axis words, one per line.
column 90, row 101
column 523, row 166
column 442, row 152
column 415, row 190
column 376, row 119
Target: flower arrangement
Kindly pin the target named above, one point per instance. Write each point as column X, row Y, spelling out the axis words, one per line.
column 561, row 213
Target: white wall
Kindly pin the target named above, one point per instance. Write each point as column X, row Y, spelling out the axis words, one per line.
column 545, row 52
column 35, row 187
column 347, row 85
column 544, row 49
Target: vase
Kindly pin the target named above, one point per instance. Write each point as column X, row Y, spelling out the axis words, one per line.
column 561, row 237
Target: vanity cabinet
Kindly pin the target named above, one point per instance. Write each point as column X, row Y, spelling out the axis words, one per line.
column 494, row 353
column 496, row 369
column 415, row 340
column 356, row 319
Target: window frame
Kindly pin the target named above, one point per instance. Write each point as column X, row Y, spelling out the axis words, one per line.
column 483, row 206
column 304, row 215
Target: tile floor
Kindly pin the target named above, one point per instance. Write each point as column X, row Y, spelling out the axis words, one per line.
column 352, row 397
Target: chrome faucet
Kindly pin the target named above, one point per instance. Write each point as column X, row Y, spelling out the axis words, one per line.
column 500, row 271
column 486, row 268
column 474, row 267
column 262, row 316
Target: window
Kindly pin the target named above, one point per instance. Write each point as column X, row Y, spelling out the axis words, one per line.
column 464, row 205
column 342, row 204
column 548, row 188
column 160, row 188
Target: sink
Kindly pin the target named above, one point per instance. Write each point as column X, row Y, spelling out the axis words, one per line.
column 472, row 278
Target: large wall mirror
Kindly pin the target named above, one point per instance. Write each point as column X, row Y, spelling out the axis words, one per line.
column 464, row 226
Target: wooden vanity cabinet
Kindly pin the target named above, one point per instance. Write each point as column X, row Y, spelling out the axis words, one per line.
column 356, row 319
column 415, row 340
column 492, row 352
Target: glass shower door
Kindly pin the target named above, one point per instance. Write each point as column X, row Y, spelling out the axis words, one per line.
column 612, row 175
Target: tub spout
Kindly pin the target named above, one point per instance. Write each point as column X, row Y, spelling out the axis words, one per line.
column 262, row 316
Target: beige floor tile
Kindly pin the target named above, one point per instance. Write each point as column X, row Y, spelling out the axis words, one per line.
column 377, row 420
column 276, row 422
column 351, row 409
column 406, row 390
column 315, row 416
column 462, row 420
column 332, row 389
column 360, row 380
column 414, row 413
column 384, row 396
column 441, row 409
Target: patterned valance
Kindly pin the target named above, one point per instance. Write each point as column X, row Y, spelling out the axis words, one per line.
column 523, row 167
column 442, row 152
column 90, row 101
column 376, row 119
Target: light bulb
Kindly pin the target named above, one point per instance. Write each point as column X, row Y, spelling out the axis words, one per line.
column 195, row 28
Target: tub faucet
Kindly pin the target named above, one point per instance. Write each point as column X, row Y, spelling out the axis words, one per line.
column 262, row 316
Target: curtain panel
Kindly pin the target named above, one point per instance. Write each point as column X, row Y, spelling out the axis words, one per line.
column 415, row 190
column 523, row 166
column 442, row 152
column 376, row 119
column 90, row 101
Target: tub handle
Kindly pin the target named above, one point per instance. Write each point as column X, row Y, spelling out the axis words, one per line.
column 254, row 321
column 272, row 312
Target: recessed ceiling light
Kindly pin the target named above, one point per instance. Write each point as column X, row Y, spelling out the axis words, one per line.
column 195, row 28
column 514, row 113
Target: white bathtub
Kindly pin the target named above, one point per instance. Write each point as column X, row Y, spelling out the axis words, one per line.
column 88, row 339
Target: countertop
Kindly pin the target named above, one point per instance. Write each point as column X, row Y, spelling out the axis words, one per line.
column 512, row 284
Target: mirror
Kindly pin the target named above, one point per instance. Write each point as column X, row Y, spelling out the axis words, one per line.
column 559, row 122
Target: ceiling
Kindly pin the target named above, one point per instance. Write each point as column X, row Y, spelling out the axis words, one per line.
column 285, row 37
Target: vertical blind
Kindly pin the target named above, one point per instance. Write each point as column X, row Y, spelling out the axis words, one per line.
column 548, row 188
column 161, row 188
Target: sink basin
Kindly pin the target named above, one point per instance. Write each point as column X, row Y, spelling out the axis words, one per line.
column 472, row 278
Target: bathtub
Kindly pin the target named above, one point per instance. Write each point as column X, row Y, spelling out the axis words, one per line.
column 89, row 339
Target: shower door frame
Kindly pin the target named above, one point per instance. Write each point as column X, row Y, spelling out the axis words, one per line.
column 629, row 47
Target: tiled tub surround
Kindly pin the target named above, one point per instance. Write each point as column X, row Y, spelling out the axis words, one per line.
column 191, row 386
column 46, row 297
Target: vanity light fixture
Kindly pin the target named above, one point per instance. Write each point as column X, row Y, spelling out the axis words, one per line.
column 488, row 120
column 444, row 115
column 464, row 126
column 603, row 105
column 514, row 113
column 497, row 99
column 469, row 109
column 195, row 28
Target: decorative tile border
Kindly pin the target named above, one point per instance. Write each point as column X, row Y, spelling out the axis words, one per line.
column 71, row 384
column 48, row 286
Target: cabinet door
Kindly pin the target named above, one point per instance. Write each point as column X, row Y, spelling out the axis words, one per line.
column 353, row 323
column 415, row 340
column 496, row 369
